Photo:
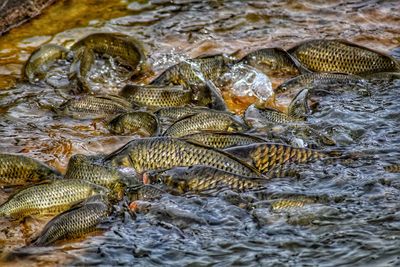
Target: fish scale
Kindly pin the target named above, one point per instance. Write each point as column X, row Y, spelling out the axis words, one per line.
column 342, row 56
column 267, row 155
column 49, row 198
column 164, row 153
column 394, row 168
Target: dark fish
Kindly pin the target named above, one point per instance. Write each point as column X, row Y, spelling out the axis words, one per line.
column 156, row 96
column 223, row 139
column 40, row 60
column 141, row 122
column 75, row 222
column 144, row 192
column 82, row 167
column 19, row 169
column 164, row 153
column 125, row 48
column 342, row 57
column 203, row 178
column 176, row 113
column 94, row 107
column 271, row 61
column 265, row 156
column 206, row 121
column 394, row 168
column 49, row 198
column 318, row 80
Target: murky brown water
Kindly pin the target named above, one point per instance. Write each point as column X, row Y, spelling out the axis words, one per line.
column 362, row 229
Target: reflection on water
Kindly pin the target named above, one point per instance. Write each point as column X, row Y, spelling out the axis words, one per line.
column 357, row 225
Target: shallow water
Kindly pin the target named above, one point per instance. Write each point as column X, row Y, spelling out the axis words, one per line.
column 357, row 226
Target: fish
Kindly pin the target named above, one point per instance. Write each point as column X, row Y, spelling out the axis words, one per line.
column 80, row 67
column 19, row 169
column 223, row 139
column 195, row 71
column 141, row 122
column 199, row 75
column 341, row 56
column 266, row 116
column 156, row 96
column 265, row 156
column 298, row 109
column 75, row 222
column 93, row 107
column 177, row 113
column 291, row 203
column 41, row 59
column 203, row 178
column 206, row 121
column 157, row 153
column 271, row 61
column 144, row 192
column 82, row 167
column 49, row 198
column 317, row 81
column 126, row 49
column 394, row 168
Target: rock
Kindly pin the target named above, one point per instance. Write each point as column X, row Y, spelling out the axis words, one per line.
column 15, row 12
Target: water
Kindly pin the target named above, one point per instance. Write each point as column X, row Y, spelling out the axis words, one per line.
column 357, row 226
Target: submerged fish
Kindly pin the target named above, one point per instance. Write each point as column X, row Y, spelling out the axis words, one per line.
column 203, row 178
column 125, row 48
column 318, row 80
column 81, row 167
column 223, row 139
column 343, row 57
column 141, row 122
column 199, row 75
column 49, row 198
column 297, row 111
column 164, row 153
column 93, row 107
column 271, row 60
column 265, row 156
column 144, row 192
column 394, row 168
column 206, row 121
column 193, row 71
column 75, row 222
column 19, row 169
column 176, row 113
column 292, row 203
column 156, row 96
column 40, row 60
